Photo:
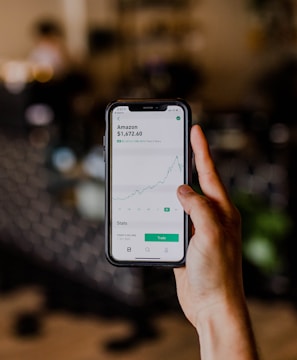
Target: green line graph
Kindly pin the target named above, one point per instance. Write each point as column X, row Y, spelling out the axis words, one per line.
column 176, row 163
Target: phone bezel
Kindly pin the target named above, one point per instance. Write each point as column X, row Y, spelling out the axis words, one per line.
column 145, row 105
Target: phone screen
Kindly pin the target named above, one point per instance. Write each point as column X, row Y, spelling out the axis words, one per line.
column 148, row 160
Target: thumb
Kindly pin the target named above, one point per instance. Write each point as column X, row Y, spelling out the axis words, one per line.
column 188, row 198
column 184, row 192
column 195, row 205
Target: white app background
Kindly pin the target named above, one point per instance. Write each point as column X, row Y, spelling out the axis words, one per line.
column 147, row 167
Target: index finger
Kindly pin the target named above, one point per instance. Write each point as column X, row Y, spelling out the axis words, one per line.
column 209, row 180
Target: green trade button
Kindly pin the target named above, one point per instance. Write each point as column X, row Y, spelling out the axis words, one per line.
column 161, row 237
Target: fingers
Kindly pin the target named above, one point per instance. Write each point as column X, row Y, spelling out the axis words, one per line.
column 209, row 179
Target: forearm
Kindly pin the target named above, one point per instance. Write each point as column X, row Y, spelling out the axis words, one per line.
column 225, row 332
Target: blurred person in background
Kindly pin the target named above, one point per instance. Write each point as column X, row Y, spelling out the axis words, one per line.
column 58, row 86
column 49, row 52
column 50, row 64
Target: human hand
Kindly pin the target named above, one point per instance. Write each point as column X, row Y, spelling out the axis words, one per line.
column 210, row 286
column 212, row 277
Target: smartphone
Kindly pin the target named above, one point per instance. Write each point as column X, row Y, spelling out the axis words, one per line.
column 147, row 155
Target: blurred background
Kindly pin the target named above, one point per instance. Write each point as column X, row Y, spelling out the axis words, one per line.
column 61, row 63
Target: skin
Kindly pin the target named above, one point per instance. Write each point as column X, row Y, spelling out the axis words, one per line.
column 210, row 286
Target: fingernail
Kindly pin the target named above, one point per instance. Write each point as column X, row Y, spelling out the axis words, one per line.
column 185, row 189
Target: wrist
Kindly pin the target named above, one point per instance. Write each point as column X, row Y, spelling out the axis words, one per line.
column 219, row 307
column 225, row 330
